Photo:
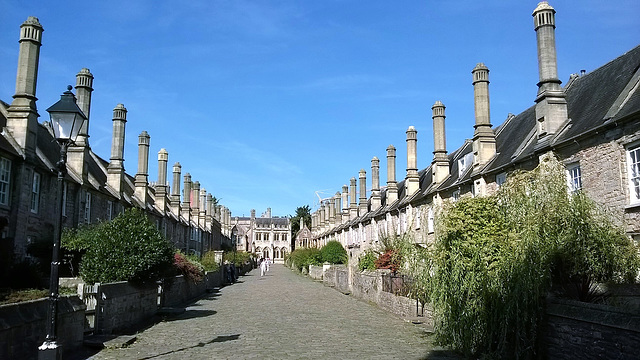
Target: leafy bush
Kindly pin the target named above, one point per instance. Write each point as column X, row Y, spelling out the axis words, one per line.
column 334, row 253
column 192, row 270
column 302, row 258
column 129, row 248
column 496, row 258
column 367, row 260
column 209, row 261
column 236, row 257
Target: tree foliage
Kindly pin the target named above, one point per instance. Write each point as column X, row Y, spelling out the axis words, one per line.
column 303, row 257
column 496, row 258
column 128, row 248
column 334, row 253
column 302, row 212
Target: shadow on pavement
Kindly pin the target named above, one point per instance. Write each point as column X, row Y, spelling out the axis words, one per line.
column 190, row 314
column 217, row 339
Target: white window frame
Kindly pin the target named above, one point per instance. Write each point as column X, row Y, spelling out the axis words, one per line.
column 430, row 221
column 35, row 193
column 464, row 162
column 501, row 178
column 5, row 180
column 574, row 177
column 109, row 210
column 633, row 173
column 455, row 195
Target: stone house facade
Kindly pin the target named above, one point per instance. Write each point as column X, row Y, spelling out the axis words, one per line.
column 267, row 236
column 95, row 189
column 592, row 124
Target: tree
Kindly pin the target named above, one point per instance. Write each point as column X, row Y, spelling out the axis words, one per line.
column 302, row 212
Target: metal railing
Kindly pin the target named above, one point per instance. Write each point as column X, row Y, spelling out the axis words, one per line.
column 400, row 285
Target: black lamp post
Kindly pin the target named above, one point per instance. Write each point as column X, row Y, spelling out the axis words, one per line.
column 66, row 120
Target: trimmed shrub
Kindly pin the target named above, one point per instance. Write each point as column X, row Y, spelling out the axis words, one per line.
column 209, row 261
column 367, row 260
column 192, row 270
column 129, row 248
column 302, row 258
column 334, row 253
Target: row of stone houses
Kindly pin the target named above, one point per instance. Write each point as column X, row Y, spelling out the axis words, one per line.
column 592, row 125
column 267, row 236
column 95, row 189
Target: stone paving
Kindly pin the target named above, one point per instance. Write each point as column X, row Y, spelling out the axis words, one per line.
column 282, row 315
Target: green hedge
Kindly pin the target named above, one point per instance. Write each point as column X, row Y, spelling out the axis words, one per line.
column 334, row 253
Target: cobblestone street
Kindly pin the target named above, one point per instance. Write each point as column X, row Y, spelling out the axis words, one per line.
column 279, row 316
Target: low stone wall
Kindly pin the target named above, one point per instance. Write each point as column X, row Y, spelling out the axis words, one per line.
column 315, row 272
column 576, row 330
column 123, row 306
column 179, row 290
column 23, row 327
column 342, row 279
column 367, row 285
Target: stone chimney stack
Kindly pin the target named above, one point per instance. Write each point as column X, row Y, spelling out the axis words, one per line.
column 210, row 211
column 186, row 197
column 363, row 207
column 195, row 202
column 253, row 214
column 22, row 119
column 440, row 164
column 78, row 153
column 392, row 184
column 268, row 212
column 412, row 181
column 345, row 203
column 175, row 189
column 332, row 213
column 338, row 207
column 115, row 169
column 203, row 207
column 375, row 184
column 484, row 140
column 551, row 103
column 142, row 177
column 161, row 187
column 84, row 88
column 353, row 206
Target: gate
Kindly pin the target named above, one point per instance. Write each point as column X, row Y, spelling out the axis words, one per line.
column 91, row 298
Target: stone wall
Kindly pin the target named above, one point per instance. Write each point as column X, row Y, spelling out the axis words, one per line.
column 342, row 279
column 179, row 290
column 123, row 306
column 315, row 272
column 23, row 327
column 367, row 285
column 576, row 330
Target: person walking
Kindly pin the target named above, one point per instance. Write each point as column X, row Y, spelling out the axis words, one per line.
column 263, row 267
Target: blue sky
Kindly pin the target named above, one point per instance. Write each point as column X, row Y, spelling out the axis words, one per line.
column 266, row 102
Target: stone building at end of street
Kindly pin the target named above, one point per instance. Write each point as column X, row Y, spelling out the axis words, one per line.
column 267, row 236
column 592, row 124
column 95, row 189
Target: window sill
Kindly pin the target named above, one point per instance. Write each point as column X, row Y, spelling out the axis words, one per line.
column 632, row 207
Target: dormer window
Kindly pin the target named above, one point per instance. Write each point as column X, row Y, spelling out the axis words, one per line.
column 464, row 163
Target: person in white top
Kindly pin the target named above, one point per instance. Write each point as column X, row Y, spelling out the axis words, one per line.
column 263, row 267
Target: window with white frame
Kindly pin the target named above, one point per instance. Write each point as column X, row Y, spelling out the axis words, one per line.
column 455, row 195
column 501, row 178
column 5, row 180
column 574, row 177
column 35, row 193
column 418, row 220
column 87, row 208
column 633, row 168
column 464, row 163
column 109, row 209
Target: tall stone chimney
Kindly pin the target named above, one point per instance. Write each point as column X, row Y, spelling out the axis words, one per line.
column 79, row 152
column 142, row 177
column 22, row 119
column 338, row 207
column 484, row 140
column 195, row 202
column 186, row 197
column 332, row 213
column 161, row 187
column 175, row 189
column 268, row 212
column 551, row 103
column 363, row 207
column 412, row 180
column 115, row 169
column 392, row 184
column 440, row 164
column 353, row 206
column 84, row 88
column 345, row 203
column 375, row 184
column 203, row 207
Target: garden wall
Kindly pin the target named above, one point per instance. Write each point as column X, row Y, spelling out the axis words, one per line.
column 23, row 327
column 315, row 272
column 123, row 306
column 577, row 330
column 179, row 290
